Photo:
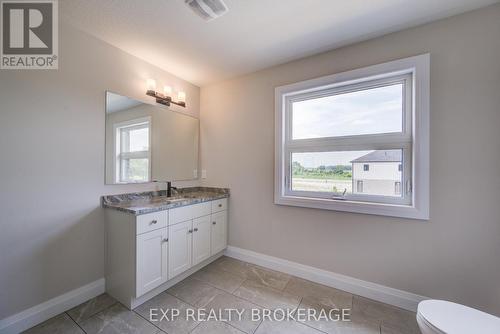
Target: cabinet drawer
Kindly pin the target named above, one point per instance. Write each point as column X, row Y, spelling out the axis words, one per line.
column 189, row 212
column 151, row 221
column 219, row 205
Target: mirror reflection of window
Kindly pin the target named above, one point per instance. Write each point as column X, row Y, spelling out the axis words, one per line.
column 146, row 142
column 133, row 153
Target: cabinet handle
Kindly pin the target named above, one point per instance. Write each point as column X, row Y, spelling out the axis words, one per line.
column 165, row 240
column 196, row 229
column 214, row 223
column 153, row 222
column 220, row 205
column 190, row 231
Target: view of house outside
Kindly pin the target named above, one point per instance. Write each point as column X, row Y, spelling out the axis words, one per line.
column 355, row 172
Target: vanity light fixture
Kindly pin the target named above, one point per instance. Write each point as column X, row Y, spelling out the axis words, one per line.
column 165, row 98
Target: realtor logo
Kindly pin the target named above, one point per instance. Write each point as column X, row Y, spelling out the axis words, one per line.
column 29, row 34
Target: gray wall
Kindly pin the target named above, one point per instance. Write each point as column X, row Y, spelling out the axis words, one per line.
column 52, row 166
column 453, row 256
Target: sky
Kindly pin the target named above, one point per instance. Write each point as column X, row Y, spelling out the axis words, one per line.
column 377, row 110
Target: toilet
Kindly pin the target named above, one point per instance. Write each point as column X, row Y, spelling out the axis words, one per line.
column 443, row 317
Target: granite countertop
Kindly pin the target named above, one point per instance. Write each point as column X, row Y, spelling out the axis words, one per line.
column 152, row 201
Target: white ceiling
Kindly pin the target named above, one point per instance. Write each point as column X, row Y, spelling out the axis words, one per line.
column 253, row 35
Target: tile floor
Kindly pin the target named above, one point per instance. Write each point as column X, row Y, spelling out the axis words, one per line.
column 229, row 283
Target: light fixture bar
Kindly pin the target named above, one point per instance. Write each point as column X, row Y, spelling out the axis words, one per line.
column 165, row 99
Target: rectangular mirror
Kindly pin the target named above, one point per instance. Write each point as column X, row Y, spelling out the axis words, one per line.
column 146, row 142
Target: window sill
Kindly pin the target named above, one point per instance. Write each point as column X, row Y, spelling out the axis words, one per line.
column 391, row 210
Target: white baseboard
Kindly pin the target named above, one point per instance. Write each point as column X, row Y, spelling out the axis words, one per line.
column 381, row 293
column 39, row 313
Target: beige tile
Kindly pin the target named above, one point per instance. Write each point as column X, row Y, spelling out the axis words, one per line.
column 61, row 324
column 336, row 323
column 231, row 265
column 270, row 278
column 215, row 327
column 91, row 307
column 267, row 297
column 284, row 327
column 319, row 293
column 194, row 292
column 117, row 320
column 388, row 315
column 179, row 324
column 220, row 279
column 264, row 276
column 228, row 301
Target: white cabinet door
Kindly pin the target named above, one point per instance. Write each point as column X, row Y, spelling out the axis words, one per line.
column 219, row 232
column 180, row 237
column 152, row 260
column 201, row 239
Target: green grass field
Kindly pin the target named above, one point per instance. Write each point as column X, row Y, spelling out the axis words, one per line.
column 338, row 172
column 324, row 176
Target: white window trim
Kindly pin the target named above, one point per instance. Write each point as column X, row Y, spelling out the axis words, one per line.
column 117, row 150
column 419, row 67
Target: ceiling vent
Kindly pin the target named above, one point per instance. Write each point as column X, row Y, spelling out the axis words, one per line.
column 207, row 9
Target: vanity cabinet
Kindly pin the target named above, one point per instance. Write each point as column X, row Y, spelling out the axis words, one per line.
column 180, row 248
column 146, row 254
column 191, row 231
column 152, row 260
column 201, row 239
column 218, row 233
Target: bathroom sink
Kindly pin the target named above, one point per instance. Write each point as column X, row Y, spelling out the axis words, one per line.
column 168, row 200
column 173, row 200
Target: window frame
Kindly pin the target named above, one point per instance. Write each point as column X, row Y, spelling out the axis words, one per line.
column 119, row 155
column 415, row 136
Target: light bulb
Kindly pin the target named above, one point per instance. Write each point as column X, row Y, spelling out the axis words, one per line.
column 181, row 97
column 151, row 85
column 167, row 91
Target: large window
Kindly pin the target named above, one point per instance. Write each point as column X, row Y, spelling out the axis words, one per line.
column 132, row 151
column 356, row 141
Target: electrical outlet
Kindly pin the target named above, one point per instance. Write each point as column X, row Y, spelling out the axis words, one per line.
column 203, row 173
